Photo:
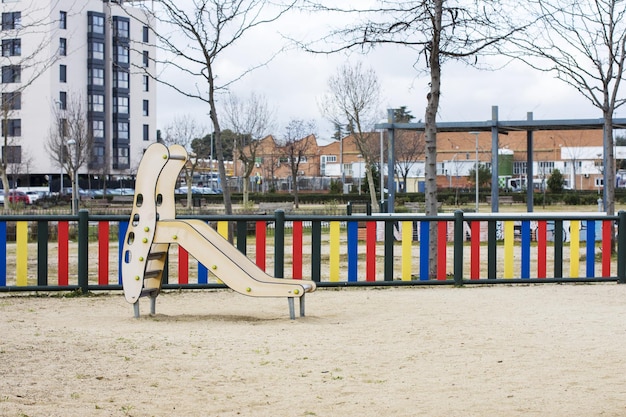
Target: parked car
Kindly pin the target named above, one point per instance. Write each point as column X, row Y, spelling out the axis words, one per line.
column 15, row 197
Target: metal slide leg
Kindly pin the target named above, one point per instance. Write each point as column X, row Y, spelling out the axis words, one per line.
column 302, row 306
column 152, row 306
column 136, row 309
column 292, row 313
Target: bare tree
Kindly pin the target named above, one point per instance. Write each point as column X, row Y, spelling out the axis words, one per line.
column 250, row 120
column 194, row 38
column 583, row 43
column 183, row 131
column 20, row 69
column 70, row 142
column 409, row 151
column 295, row 148
column 437, row 30
column 354, row 94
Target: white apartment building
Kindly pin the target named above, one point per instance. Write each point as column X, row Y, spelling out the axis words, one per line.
column 54, row 51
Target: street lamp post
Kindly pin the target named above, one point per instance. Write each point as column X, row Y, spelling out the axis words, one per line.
column 476, row 168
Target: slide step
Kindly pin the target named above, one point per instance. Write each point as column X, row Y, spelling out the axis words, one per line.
column 152, row 274
column 156, row 255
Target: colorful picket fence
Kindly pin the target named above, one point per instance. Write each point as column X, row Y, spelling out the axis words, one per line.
column 71, row 252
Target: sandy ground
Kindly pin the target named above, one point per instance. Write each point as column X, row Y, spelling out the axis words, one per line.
column 549, row 350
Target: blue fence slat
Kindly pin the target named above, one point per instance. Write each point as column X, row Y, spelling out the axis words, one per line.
column 424, row 243
column 525, row 249
column 591, row 246
column 353, row 249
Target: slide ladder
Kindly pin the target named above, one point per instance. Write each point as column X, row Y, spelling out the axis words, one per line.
column 153, row 227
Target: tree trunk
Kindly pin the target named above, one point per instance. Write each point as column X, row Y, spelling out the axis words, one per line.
column 372, row 186
column 430, row 122
column 189, row 180
column 245, row 186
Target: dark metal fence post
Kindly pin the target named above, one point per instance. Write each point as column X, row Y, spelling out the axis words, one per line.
column 42, row 252
column 458, row 247
column 621, row 247
column 83, row 250
column 279, row 244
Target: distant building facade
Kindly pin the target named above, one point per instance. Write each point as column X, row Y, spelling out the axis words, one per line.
column 99, row 52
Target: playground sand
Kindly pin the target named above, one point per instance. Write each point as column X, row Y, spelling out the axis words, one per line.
column 543, row 350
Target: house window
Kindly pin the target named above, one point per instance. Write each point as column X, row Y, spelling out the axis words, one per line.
column 146, row 59
column 146, row 132
column 120, row 79
column 96, row 50
column 13, row 127
column 97, row 129
column 12, row 154
column 145, row 83
column 146, row 105
column 331, row 158
column 63, row 73
column 12, row 100
column 63, row 100
column 122, row 130
column 145, row 34
column 62, row 20
column 62, row 46
column 120, row 27
column 121, row 54
column 11, row 74
column 120, row 105
column 95, row 24
column 96, row 102
column 11, row 20
column 96, row 76
column 11, row 47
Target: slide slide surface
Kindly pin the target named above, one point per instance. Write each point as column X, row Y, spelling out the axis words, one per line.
column 234, row 268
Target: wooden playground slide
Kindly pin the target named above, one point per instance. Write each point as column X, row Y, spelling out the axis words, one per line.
column 153, row 227
column 224, row 260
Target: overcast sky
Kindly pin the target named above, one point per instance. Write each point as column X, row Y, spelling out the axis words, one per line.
column 294, row 82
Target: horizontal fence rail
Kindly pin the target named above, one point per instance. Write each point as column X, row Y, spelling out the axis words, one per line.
column 83, row 252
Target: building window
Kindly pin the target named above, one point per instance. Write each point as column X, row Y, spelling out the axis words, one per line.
column 122, row 158
column 146, row 108
column 11, row 20
column 98, row 155
column 146, row 59
column 63, row 100
column 146, row 85
column 12, row 154
column 146, row 132
column 519, row 168
column 96, row 76
column 546, row 167
column 120, row 27
column 62, row 20
column 120, row 79
column 12, row 101
column 96, row 102
column 63, row 73
column 95, row 24
column 120, row 105
column 121, row 54
column 96, row 50
column 97, row 129
column 63, row 47
column 11, row 47
column 122, row 130
column 13, row 127
column 11, row 74
column 63, row 128
column 146, row 32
